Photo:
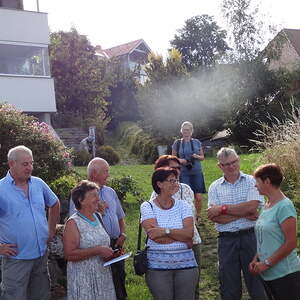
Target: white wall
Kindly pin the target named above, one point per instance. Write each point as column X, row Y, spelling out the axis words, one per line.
column 29, row 94
column 23, row 26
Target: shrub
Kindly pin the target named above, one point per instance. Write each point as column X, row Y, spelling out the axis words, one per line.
column 62, row 187
column 140, row 143
column 280, row 144
column 123, row 185
column 109, row 154
column 52, row 158
column 81, row 158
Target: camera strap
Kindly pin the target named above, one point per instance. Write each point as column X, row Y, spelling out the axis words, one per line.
column 182, row 142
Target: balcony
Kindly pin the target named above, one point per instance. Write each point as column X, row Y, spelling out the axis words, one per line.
column 21, row 26
column 29, row 94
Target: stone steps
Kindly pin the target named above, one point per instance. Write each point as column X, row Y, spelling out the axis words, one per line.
column 72, row 137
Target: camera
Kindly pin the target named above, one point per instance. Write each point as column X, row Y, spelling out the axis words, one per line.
column 189, row 164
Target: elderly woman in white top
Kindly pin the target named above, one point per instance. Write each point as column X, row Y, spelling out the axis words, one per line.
column 172, row 269
column 184, row 193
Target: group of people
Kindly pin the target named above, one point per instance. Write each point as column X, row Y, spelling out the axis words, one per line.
column 256, row 237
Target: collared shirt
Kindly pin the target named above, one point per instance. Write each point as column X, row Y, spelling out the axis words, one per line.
column 22, row 217
column 185, row 193
column 222, row 192
column 112, row 214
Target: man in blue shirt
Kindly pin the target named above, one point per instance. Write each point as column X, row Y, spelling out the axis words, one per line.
column 112, row 216
column 24, row 229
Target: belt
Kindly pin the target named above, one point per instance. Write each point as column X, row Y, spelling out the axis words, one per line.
column 236, row 233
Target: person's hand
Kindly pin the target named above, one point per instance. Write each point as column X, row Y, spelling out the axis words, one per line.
column 156, row 232
column 182, row 161
column 253, row 217
column 196, row 156
column 8, row 249
column 106, row 252
column 214, row 211
column 259, row 267
column 252, row 264
column 120, row 241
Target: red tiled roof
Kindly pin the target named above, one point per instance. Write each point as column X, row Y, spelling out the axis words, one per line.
column 121, row 49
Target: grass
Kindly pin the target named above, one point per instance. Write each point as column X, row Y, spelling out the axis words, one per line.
column 136, row 287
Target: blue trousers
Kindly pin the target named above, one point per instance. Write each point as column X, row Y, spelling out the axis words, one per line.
column 236, row 251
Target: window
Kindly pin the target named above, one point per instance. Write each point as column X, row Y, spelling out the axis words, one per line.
column 24, row 60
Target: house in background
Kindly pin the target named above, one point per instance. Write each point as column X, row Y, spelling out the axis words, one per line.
column 25, row 79
column 284, row 50
column 132, row 55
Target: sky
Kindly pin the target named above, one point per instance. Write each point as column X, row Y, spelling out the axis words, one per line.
column 113, row 22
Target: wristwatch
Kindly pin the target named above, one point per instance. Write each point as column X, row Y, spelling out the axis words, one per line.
column 167, row 231
column 267, row 263
column 124, row 234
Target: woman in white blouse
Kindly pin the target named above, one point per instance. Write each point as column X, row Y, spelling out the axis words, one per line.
column 172, row 268
column 184, row 193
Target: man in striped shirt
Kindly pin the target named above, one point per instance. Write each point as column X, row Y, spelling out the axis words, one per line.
column 233, row 201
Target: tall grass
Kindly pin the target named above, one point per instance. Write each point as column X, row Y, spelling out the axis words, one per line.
column 280, row 144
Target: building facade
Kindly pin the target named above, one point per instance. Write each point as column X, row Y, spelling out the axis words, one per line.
column 25, row 79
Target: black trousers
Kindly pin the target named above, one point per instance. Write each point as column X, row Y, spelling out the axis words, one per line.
column 118, row 274
column 287, row 287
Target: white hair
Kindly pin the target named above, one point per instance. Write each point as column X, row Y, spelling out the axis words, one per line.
column 13, row 152
column 225, row 152
column 95, row 164
column 187, row 124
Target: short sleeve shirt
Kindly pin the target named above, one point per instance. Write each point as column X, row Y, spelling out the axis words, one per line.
column 167, row 218
column 270, row 237
column 23, row 218
column 185, row 193
column 186, row 151
column 222, row 192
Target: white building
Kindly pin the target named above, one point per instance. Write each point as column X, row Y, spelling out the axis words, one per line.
column 25, row 79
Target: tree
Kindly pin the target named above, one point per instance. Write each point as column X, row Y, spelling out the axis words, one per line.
column 246, row 29
column 201, row 42
column 122, row 102
column 79, row 76
column 172, row 95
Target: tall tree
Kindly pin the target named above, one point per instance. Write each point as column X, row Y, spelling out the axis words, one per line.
column 245, row 28
column 79, row 76
column 122, row 102
column 201, row 42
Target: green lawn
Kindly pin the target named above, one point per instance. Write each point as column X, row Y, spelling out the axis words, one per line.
column 136, row 287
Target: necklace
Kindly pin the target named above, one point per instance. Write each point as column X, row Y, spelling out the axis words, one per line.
column 166, row 207
column 93, row 223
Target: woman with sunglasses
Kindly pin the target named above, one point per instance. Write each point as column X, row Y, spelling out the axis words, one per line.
column 276, row 232
column 184, row 193
column 172, row 269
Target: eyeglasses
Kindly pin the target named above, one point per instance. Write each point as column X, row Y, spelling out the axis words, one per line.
column 173, row 181
column 177, row 168
column 229, row 163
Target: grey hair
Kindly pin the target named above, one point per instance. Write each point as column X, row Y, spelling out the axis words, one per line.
column 225, row 152
column 187, row 123
column 13, row 152
column 94, row 165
